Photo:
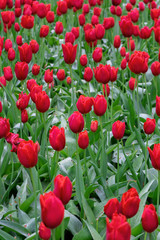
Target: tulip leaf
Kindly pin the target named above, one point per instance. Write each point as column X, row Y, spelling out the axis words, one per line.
column 95, row 235
column 6, row 236
column 16, row 227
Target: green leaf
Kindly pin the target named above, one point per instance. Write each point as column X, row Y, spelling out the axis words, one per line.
column 16, row 227
column 95, row 235
column 6, row 236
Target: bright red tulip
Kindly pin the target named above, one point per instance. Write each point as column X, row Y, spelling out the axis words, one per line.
column 118, row 129
column 23, row 101
column 21, row 70
column 149, row 126
column 83, row 139
column 42, row 101
column 111, row 207
column 100, row 105
column 149, row 218
column 57, row 138
column 4, row 127
column 44, row 232
column 69, row 52
column 155, row 156
column 76, row 122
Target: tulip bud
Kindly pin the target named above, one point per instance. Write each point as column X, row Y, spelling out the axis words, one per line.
column 48, row 76
column 83, row 60
column 100, row 105
column 19, row 40
column 149, row 218
column 8, row 44
column 24, row 116
column 11, row 54
column 94, row 126
column 59, row 28
column 2, row 81
column 57, row 138
column 155, row 155
column 27, row 153
column 63, row 188
column 111, row 207
column 84, row 104
column 88, row 74
column 44, row 232
column 100, row 31
column 81, row 19
column 76, row 122
column 155, row 68
column 97, row 54
column 118, row 129
column 132, row 83
column 149, row 126
column 158, row 106
column 42, row 101
column 35, row 69
column 83, row 140
column 52, row 210
column 117, row 41
column 23, row 101
column 69, row 37
column 69, row 80
column 44, row 30
column 21, row 70
column 8, row 73
column 123, row 52
column 50, row 16
column 4, row 127
column 34, row 46
column 123, row 64
column 61, row 74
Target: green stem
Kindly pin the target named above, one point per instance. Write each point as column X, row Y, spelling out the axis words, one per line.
column 35, row 198
column 103, row 165
column 158, row 192
column 117, row 165
column 54, row 168
column 147, row 94
column 146, row 162
column 62, row 230
column 53, row 234
column 138, row 106
column 72, row 86
column 145, row 236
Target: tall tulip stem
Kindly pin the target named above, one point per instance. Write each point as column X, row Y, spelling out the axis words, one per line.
column 62, row 230
column 103, row 165
column 138, row 106
column 72, row 85
column 145, row 236
column 146, row 161
column 35, row 199
column 158, row 192
column 53, row 234
column 117, row 165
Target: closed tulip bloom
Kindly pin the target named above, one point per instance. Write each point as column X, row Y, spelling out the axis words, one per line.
column 138, row 62
column 94, row 126
column 48, row 76
column 118, row 11
column 106, row 90
column 76, row 122
column 35, row 89
column 27, row 21
column 8, row 44
column 83, row 60
column 41, row 10
column 92, row 2
column 141, row 6
column 145, row 32
column 97, row 11
column 59, row 28
column 14, row 140
column 34, row 46
column 3, row 4
column 23, row 101
column 128, row 7
column 149, row 218
column 116, row 2
column 149, row 126
column 30, row 83
column 155, row 156
column 52, row 210
column 62, row 7
column 2, row 81
column 27, row 153
column 132, row 83
column 117, row 41
column 86, row 8
column 114, row 72
column 63, row 188
column 35, row 69
column 100, row 31
column 118, row 228
column 8, row 73
column 42, row 102
column 84, row 104
column 157, row 33
column 108, row 23
column 118, row 129
column 4, row 127
column 94, row 20
column 75, row 31
column 19, row 40
column 44, row 232
column 69, row 52
column 57, row 138
column 50, row 16
column 155, row 68
column 69, row 80
column 158, row 106
column 24, row 116
column 129, row 204
column 111, row 207
column 123, row 64
column 69, row 37
column 126, row 26
column 61, row 74
column 25, row 52
column 97, row 54
column 21, row 70
column 123, row 52
column 11, row 54
column 81, row 19
column 102, row 73
column 44, row 30
column 100, row 105
column 83, row 139
column 134, row 15
column 88, row 74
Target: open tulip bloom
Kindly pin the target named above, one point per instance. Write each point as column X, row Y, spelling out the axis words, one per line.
column 79, row 119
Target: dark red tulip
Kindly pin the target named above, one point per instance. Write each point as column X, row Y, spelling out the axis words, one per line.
column 69, row 52
column 84, row 104
column 111, row 207
column 57, row 138
column 100, row 105
column 149, row 218
column 76, row 122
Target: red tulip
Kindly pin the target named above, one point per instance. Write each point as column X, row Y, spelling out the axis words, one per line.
column 19, row 40
column 8, row 73
column 155, row 156
column 59, row 28
column 23, row 101
column 138, row 62
column 158, row 106
column 126, row 26
column 108, row 23
column 117, row 41
column 100, row 31
column 35, row 69
column 4, row 127
column 52, row 210
column 83, row 139
column 100, row 105
column 42, row 101
column 94, row 126
column 2, row 81
column 114, row 72
column 118, row 228
column 27, row 153
column 21, row 70
column 8, row 44
column 63, row 188
column 102, row 73
column 48, row 76
column 44, row 232
column 61, row 74
column 83, row 60
column 69, row 52
column 24, row 116
column 76, row 122
column 111, row 207
column 97, row 54
column 35, row 89
column 1, row 107
column 155, row 68
column 129, row 204
column 145, row 32
column 132, row 83
column 41, row 10
column 116, row 2
column 14, row 140
column 57, row 138
column 50, row 16
column 34, row 46
column 84, row 104
column 149, row 126
column 44, row 30
column 81, row 19
column 149, row 218
column 123, row 52
column 118, row 129
column 27, row 21
column 25, row 53
column 88, row 74
column 11, row 54
column 69, row 37
column 97, row 11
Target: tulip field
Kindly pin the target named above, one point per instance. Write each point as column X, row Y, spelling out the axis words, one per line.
column 79, row 120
